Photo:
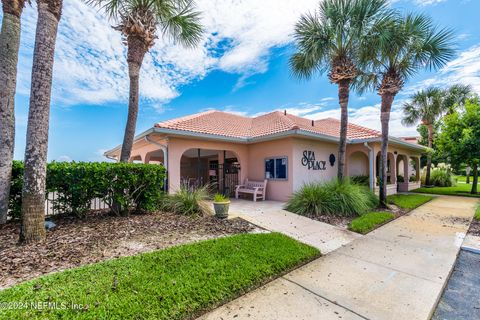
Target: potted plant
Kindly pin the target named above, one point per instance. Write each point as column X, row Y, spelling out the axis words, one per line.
column 221, row 205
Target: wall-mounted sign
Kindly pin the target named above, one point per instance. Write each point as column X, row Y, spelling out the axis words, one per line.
column 309, row 161
column 331, row 159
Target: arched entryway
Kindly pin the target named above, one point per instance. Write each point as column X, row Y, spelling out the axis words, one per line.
column 391, row 168
column 357, row 164
column 218, row 169
column 402, row 168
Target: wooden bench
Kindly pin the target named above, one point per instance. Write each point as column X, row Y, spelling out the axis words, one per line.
column 257, row 188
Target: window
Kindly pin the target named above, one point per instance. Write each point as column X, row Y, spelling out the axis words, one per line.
column 276, row 168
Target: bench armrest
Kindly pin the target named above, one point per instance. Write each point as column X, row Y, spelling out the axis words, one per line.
column 238, row 186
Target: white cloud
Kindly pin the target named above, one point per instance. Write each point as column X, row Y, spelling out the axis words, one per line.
column 428, row 2
column 367, row 116
column 465, row 69
column 90, row 63
column 64, row 158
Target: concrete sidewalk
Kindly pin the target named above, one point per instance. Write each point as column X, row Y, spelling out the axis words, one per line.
column 396, row 272
column 271, row 216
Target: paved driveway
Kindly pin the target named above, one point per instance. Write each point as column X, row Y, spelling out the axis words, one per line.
column 396, row 272
column 271, row 216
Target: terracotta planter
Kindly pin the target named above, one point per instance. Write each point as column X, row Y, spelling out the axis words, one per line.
column 221, row 209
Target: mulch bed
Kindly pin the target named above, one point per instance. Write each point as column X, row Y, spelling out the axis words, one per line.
column 74, row 242
column 474, row 228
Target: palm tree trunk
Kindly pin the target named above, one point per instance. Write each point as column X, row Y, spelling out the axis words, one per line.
column 387, row 101
column 343, row 95
column 429, row 156
column 33, row 192
column 9, row 46
column 136, row 52
column 475, row 179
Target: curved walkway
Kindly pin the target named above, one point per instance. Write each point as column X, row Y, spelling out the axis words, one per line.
column 271, row 216
column 395, row 272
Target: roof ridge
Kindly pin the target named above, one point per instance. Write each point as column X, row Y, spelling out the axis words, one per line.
column 185, row 118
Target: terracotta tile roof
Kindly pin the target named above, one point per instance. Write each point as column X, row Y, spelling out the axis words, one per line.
column 237, row 126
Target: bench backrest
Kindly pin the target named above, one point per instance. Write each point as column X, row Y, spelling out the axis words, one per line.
column 255, row 184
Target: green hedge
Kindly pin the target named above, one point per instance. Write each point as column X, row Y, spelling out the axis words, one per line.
column 122, row 186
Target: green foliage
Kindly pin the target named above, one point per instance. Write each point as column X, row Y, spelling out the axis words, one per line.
column 15, row 200
column 218, row 197
column 333, row 37
column 332, row 198
column 440, row 176
column 408, row 201
column 400, row 179
column 361, row 180
column 123, row 186
column 176, row 283
column 188, row 201
column 370, row 221
column 477, row 213
column 459, row 139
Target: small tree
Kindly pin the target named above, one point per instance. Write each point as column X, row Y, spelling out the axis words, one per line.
column 459, row 139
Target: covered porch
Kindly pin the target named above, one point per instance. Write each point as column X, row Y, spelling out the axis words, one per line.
column 403, row 168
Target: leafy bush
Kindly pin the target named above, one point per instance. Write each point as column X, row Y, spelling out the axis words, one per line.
column 218, row 197
column 400, row 179
column 370, row 221
column 122, row 186
column 332, row 198
column 188, row 201
column 440, row 175
column 15, row 200
column 412, row 179
column 361, row 180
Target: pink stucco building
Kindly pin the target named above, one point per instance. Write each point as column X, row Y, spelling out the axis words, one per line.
column 223, row 149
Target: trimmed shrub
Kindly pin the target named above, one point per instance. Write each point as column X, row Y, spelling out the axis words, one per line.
column 15, row 200
column 122, row 186
column 336, row 197
column 440, row 175
column 188, row 201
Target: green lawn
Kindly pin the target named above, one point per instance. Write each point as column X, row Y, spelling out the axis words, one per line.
column 461, row 189
column 408, row 201
column 176, row 283
column 370, row 221
column 477, row 213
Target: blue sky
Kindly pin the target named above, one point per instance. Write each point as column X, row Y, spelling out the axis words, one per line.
column 240, row 66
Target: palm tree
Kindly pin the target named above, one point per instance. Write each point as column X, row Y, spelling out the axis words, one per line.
column 401, row 47
column 9, row 46
column 33, row 192
column 456, row 96
column 138, row 21
column 426, row 106
column 332, row 39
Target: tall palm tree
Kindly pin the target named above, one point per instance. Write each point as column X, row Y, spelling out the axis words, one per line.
column 138, row 21
column 331, row 39
column 9, row 46
column 401, row 47
column 426, row 106
column 33, row 192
